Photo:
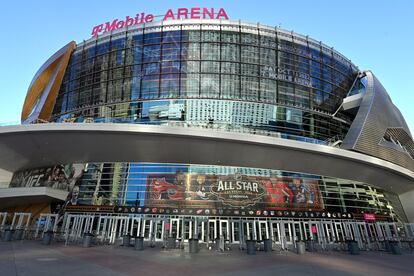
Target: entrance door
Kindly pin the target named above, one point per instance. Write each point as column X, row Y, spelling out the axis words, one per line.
column 235, row 231
column 224, row 229
column 147, row 228
column 3, row 219
column 135, row 227
column 329, row 232
column 286, row 234
column 262, row 230
column 212, row 230
column 249, row 230
column 275, row 232
column 348, row 230
column 339, row 232
column 159, row 230
column 297, row 231
column 409, row 231
column 388, row 230
column 200, row 229
column 360, row 233
column 21, row 221
column 175, row 229
column 46, row 222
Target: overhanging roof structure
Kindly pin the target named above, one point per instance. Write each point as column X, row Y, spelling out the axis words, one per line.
column 23, row 146
column 22, row 195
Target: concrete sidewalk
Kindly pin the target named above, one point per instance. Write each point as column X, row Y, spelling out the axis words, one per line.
column 33, row 258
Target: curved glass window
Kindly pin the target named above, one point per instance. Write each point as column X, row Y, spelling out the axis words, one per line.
column 207, row 64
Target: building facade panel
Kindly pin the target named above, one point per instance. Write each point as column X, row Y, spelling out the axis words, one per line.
column 208, row 91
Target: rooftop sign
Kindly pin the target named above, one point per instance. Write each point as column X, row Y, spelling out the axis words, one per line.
column 141, row 18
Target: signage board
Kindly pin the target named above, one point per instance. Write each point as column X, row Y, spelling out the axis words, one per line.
column 368, row 216
column 141, row 18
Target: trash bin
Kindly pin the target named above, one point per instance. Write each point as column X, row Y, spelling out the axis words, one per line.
column 395, row 248
column 126, row 240
column 251, row 247
column 218, row 244
column 8, row 235
column 171, row 243
column 267, row 245
column 87, row 240
column 47, row 238
column 300, row 247
column 18, row 234
column 353, row 247
column 387, row 246
column 139, row 243
column 310, row 244
column 194, row 248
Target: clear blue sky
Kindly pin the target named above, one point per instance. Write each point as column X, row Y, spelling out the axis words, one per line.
column 376, row 35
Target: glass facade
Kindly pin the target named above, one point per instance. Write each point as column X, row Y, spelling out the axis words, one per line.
column 213, row 190
column 236, row 79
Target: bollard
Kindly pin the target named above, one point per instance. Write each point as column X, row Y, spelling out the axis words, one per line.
column 194, row 248
column 18, row 234
column 217, row 242
column 47, row 238
column 387, row 246
column 139, row 243
column 300, row 248
column 310, row 245
column 126, row 240
column 395, row 248
column 8, row 235
column 251, row 247
column 171, row 243
column 353, row 247
column 87, row 240
column 267, row 245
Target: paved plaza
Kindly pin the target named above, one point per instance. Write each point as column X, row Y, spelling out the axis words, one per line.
column 33, row 258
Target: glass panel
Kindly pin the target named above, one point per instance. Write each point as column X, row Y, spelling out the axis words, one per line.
column 150, row 87
column 230, row 86
column 169, row 86
column 250, row 88
column 210, row 85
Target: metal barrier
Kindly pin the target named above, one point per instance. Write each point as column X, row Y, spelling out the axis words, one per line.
column 45, row 223
column 284, row 234
column 75, row 226
column 3, row 220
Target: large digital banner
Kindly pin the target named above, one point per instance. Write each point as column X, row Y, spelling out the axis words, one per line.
column 234, row 194
column 61, row 177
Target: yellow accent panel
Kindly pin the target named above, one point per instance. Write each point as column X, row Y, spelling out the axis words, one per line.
column 45, row 85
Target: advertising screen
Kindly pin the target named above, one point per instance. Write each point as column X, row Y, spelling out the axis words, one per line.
column 233, row 194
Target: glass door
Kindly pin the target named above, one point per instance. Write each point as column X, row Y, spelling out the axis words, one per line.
column 235, row 231
column 262, row 230
column 297, row 231
column 159, row 230
column 339, row 232
column 224, row 230
column 212, row 230
column 175, row 229
column 249, row 230
column 275, row 232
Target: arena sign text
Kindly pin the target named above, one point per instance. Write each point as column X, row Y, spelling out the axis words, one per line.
column 141, row 18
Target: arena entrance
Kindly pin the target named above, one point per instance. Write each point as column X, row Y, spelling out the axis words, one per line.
column 230, row 231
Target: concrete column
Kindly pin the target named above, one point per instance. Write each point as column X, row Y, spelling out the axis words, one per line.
column 407, row 201
column 5, row 178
